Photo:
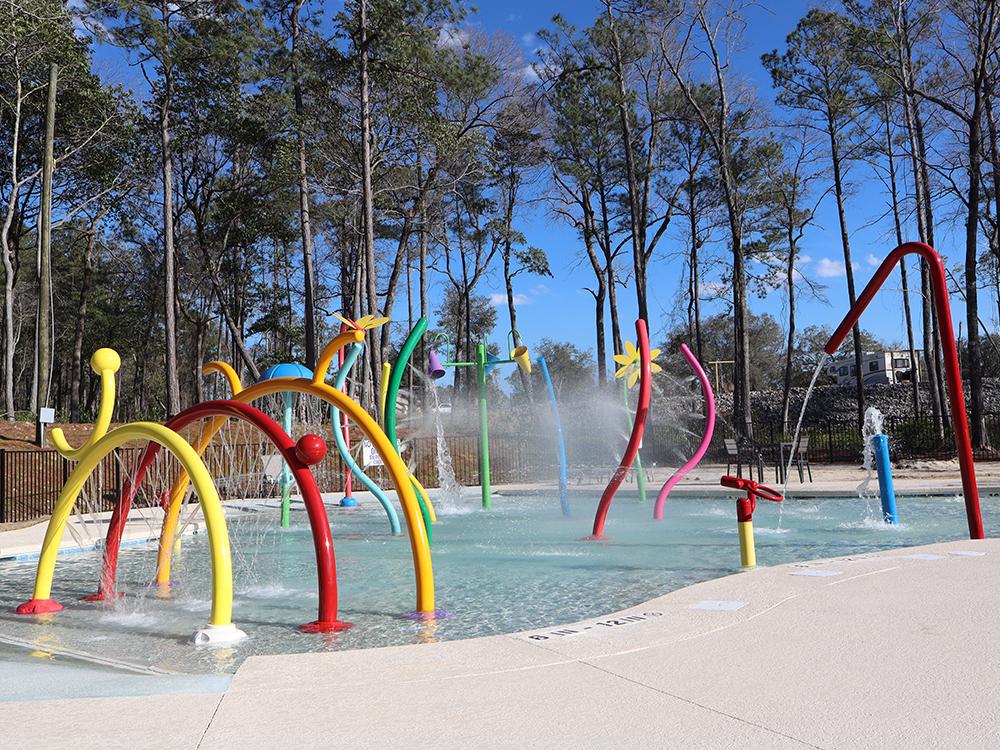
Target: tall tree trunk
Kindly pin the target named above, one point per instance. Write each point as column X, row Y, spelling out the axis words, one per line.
column 695, row 276
column 838, row 188
column 600, row 295
column 367, row 197
column 76, row 370
column 422, row 284
column 305, row 223
column 43, row 375
column 925, row 216
column 637, row 223
column 609, row 269
column 790, row 345
column 975, row 366
column 914, row 380
column 167, row 177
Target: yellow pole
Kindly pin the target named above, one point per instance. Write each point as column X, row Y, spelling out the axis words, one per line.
column 748, row 555
column 397, row 470
column 208, row 496
column 383, row 390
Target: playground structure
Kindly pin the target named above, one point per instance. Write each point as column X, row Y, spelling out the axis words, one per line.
column 285, row 480
column 387, row 401
column 953, row 372
column 560, row 439
column 706, row 438
column 106, row 362
column 341, row 435
column 484, row 363
column 745, row 506
column 637, row 365
column 297, row 457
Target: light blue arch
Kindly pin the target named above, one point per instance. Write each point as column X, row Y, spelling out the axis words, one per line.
column 350, row 357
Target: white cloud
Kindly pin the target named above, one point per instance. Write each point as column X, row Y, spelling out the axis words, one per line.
column 528, row 39
column 873, row 261
column 500, row 300
column 828, row 269
column 714, row 288
column 803, row 259
column 529, row 73
column 452, row 37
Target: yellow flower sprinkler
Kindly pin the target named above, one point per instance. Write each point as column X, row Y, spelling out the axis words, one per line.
column 629, row 373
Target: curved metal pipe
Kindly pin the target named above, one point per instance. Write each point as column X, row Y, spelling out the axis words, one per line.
column 706, row 438
column 953, row 372
column 632, row 449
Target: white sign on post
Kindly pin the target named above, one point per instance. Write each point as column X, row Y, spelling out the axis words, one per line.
column 369, row 456
column 274, row 464
column 46, row 415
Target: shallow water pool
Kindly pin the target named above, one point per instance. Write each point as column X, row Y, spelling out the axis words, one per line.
column 518, row 566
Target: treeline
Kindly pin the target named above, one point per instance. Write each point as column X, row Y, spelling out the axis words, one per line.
column 280, row 161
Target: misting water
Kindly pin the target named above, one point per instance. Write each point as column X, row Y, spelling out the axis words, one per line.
column 871, row 427
column 824, row 358
column 450, row 489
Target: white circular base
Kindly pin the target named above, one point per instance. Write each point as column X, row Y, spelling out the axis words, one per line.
column 217, row 635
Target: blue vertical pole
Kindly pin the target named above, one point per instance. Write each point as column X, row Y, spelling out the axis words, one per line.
column 880, row 446
column 563, row 492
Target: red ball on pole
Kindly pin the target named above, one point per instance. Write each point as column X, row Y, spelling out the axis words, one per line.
column 310, row 449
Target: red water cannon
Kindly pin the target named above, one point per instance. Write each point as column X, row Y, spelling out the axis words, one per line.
column 745, row 506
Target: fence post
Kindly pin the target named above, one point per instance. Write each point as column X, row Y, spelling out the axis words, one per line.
column 829, row 439
column 3, row 485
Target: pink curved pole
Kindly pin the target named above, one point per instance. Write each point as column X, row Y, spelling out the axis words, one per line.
column 706, row 389
column 326, row 566
column 632, row 449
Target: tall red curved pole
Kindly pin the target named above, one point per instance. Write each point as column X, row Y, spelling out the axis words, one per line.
column 956, row 396
column 326, row 567
column 632, row 449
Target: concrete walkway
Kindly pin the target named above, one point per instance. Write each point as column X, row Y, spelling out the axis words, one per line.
column 896, row 649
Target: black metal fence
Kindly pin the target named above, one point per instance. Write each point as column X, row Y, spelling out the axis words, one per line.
column 839, row 440
column 31, row 480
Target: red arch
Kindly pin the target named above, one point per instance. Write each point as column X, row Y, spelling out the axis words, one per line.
column 632, row 449
column 326, row 566
column 953, row 371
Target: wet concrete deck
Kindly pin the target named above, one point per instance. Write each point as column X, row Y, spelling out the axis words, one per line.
column 883, row 650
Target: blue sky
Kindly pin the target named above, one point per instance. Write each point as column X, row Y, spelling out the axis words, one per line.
column 559, row 308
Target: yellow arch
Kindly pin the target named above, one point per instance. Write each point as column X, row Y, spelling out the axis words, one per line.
column 105, row 362
column 397, row 469
column 226, row 370
column 92, row 454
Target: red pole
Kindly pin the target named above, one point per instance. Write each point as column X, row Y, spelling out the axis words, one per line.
column 632, row 449
column 953, row 372
column 326, row 566
column 345, row 428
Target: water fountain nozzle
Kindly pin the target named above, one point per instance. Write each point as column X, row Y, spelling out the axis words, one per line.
column 434, row 367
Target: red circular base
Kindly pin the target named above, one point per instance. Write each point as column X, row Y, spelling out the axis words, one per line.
column 38, row 607
column 102, row 596
column 316, row 626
